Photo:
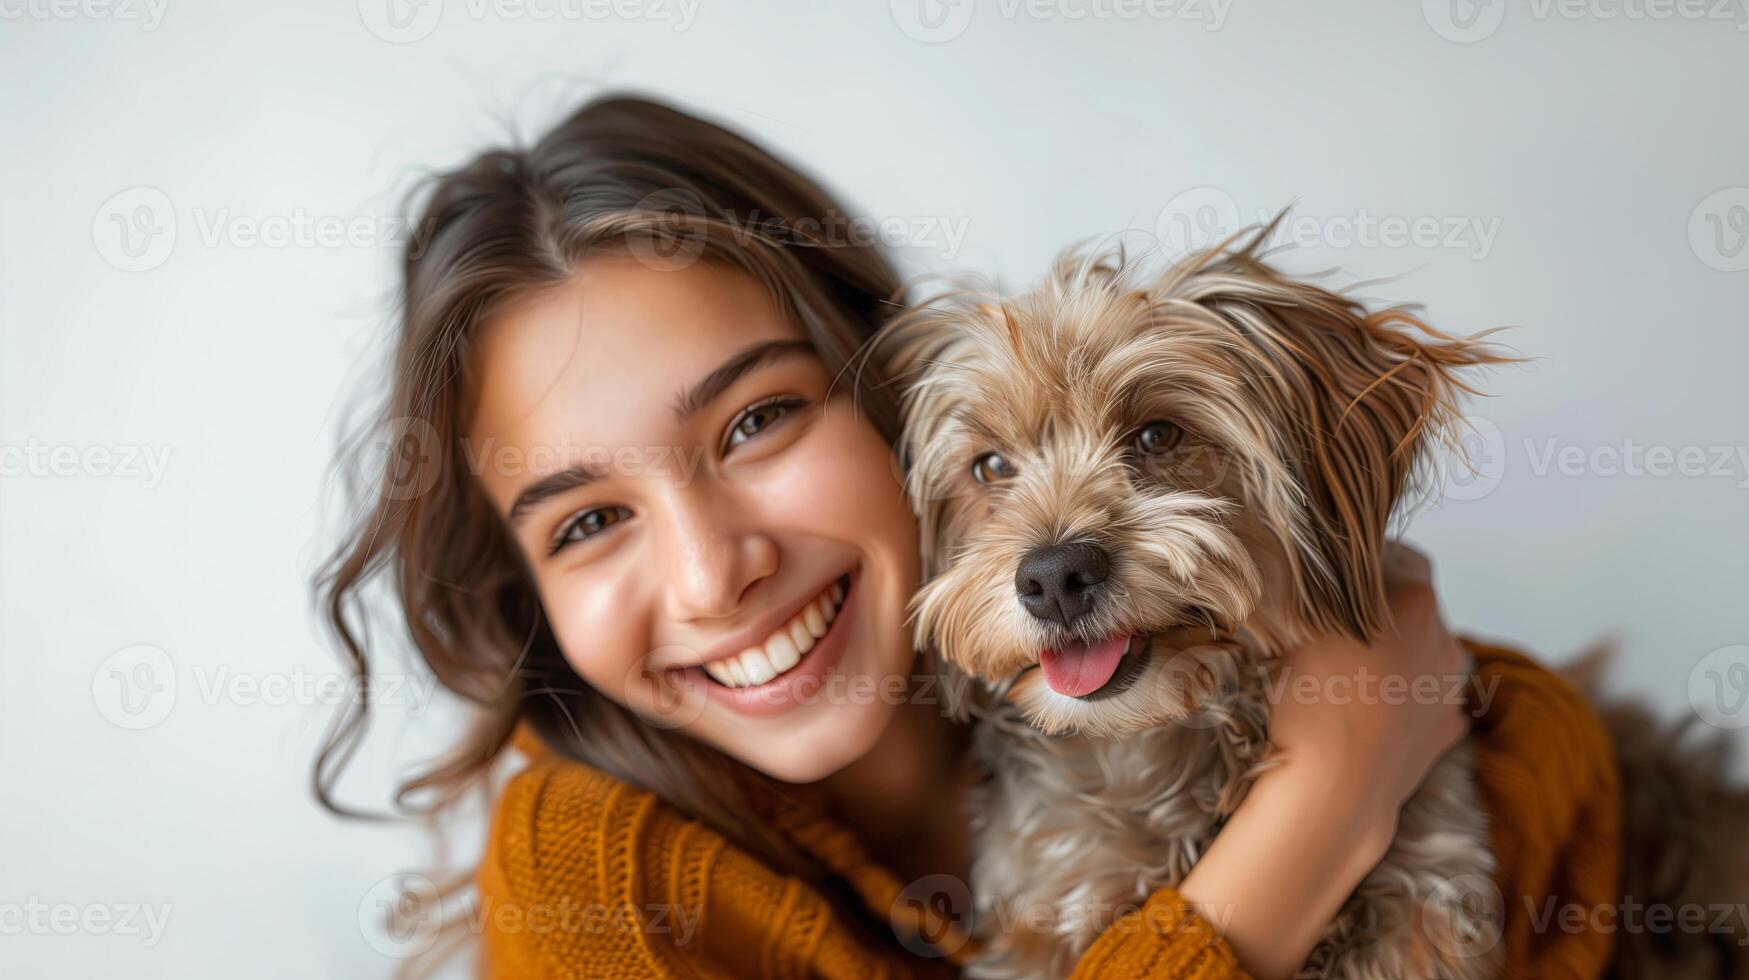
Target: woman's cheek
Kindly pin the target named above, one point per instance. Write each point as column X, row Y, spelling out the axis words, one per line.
column 839, row 481
column 595, row 623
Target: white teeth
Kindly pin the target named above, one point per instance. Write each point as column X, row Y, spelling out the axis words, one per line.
column 759, row 669
column 783, row 649
column 719, row 671
column 799, row 635
column 738, row 671
column 785, row 655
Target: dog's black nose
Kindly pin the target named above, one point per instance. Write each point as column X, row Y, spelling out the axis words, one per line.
column 1056, row 582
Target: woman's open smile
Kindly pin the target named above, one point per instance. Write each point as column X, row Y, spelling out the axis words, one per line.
column 790, row 665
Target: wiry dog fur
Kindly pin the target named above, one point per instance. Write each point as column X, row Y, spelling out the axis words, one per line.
column 1299, row 420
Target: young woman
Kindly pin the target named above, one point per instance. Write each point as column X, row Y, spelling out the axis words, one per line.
column 652, row 528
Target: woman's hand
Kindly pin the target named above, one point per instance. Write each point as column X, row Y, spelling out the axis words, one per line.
column 1372, row 720
column 1357, row 728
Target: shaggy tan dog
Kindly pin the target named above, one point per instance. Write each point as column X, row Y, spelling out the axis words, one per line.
column 1106, row 460
column 1113, row 462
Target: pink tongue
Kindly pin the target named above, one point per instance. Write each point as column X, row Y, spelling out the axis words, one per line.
column 1078, row 670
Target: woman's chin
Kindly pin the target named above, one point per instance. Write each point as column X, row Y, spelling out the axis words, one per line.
column 817, row 752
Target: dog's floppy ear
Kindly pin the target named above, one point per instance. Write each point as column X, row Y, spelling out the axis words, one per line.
column 1356, row 397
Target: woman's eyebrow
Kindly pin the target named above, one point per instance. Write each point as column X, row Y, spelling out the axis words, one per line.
column 707, row 388
column 569, row 478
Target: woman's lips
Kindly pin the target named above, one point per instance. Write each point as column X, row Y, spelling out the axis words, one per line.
column 800, row 684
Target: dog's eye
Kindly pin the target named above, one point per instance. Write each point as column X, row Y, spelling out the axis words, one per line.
column 1157, row 438
column 991, row 468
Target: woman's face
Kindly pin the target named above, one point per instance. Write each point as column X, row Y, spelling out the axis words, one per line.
column 719, row 539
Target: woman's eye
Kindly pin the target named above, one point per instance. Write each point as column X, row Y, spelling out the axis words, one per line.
column 992, row 468
column 588, row 523
column 758, row 418
column 1158, row 438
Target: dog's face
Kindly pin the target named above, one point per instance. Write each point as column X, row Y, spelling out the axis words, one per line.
column 1098, row 463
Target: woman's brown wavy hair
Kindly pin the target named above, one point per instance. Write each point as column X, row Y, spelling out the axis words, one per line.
column 619, row 174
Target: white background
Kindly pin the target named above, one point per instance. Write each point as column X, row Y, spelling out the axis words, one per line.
column 1601, row 148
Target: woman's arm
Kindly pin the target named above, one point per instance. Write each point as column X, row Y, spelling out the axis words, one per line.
column 1279, row 871
column 1311, row 828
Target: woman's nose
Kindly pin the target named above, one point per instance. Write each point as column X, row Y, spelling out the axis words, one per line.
column 716, row 556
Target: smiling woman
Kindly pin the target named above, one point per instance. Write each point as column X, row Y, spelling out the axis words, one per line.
column 693, row 592
column 575, row 314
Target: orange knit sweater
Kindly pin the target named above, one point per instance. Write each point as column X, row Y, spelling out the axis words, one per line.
column 585, row 876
